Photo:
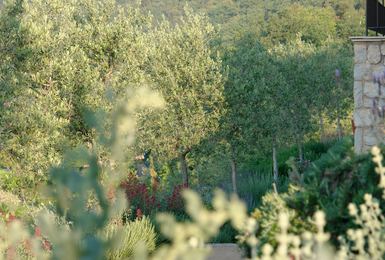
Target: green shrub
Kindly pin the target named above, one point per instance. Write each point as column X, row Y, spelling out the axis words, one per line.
column 313, row 150
column 335, row 153
column 337, row 179
column 133, row 232
column 267, row 217
column 253, row 185
column 226, row 234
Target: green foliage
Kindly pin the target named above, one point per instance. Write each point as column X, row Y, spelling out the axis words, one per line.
column 226, row 234
column 340, row 177
column 314, row 18
column 267, row 217
column 254, row 185
column 313, row 150
column 140, row 230
column 315, row 25
column 336, row 153
column 68, row 62
column 182, row 70
column 65, row 65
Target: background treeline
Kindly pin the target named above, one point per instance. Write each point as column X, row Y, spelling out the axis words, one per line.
column 226, row 106
column 273, row 21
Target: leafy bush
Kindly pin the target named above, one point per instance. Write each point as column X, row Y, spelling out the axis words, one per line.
column 335, row 153
column 313, row 150
column 337, row 179
column 139, row 230
column 138, row 196
column 226, row 234
column 267, row 217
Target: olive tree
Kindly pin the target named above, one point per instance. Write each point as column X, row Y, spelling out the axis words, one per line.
column 188, row 75
column 63, row 57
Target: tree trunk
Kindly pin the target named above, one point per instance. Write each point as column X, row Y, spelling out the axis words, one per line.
column 183, row 166
column 275, row 161
column 338, row 124
column 233, row 171
column 196, row 168
column 300, row 149
column 322, row 129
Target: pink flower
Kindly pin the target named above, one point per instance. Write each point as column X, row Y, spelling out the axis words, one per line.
column 11, row 254
column 139, row 214
column 38, row 232
column 47, row 246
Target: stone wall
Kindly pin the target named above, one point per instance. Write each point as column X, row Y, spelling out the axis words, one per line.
column 369, row 56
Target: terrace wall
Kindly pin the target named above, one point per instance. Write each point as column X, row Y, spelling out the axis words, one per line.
column 369, row 56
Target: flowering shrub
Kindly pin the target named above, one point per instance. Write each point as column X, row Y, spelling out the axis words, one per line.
column 175, row 202
column 138, row 195
column 22, row 248
column 39, row 235
column 301, row 165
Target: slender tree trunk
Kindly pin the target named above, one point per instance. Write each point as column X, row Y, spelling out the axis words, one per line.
column 183, row 166
column 275, row 161
column 233, row 171
column 322, row 129
column 338, row 124
column 300, row 148
column 196, row 167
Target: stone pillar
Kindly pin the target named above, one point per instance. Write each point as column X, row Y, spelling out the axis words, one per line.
column 369, row 56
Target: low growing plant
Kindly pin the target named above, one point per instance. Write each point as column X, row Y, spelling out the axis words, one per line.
column 134, row 232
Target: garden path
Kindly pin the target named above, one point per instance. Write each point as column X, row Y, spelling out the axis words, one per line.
column 224, row 252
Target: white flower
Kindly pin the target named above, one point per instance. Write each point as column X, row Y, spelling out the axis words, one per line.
column 352, row 209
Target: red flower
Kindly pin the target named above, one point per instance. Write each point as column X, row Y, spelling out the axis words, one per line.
column 47, row 246
column 28, row 246
column 139, row 214
column 38, row 232
column 11, row 254
column 11, row 217
column 2, row 213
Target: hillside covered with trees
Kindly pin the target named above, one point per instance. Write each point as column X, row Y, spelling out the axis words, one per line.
column 273, row 21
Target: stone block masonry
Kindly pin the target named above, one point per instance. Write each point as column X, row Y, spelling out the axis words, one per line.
column 369, row 56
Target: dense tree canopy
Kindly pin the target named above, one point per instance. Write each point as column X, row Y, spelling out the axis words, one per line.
column 190, row 80
column 315, row 19
column 57, row 66
column 224, row 93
